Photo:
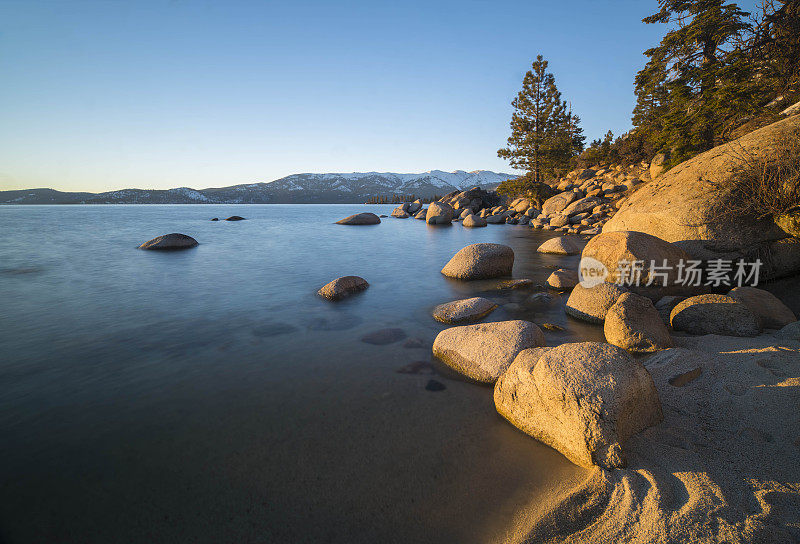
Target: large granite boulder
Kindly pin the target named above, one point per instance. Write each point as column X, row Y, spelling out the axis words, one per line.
column 634, row 324
column 613, row 249
column 582, row 205
column 483, row 351
column 439, row 213
column 473, row 221
column 175, row 240
column 343, row 287
column 592, row 303
column 585, row 400
column 365, row 218
column 480, row 261
column 557, row 203
column 561, row 245
column 414, row 207
column 770, row 311
column 714, row 314
column 681, row 206
column 464, row 311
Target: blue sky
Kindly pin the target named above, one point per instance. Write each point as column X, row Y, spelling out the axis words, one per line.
column 106, row 95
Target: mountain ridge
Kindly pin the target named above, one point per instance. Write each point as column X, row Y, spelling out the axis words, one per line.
column 303, row 188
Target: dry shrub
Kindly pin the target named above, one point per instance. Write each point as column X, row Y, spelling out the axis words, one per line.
column 763, row 187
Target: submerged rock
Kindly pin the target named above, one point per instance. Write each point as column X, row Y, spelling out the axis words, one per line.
column 634, row 324
column 714, row 314
column 463, row 311
column 170, row 241
column 480, row 261
column 384, row 337
column 343, row 287
column 435, row 385
column 582, row 399
column 365, row 218
column 483, row 351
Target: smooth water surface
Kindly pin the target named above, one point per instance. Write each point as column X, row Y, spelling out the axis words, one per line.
column 209, row 395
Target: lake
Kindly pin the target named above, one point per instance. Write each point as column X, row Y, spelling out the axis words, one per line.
column 210, row 395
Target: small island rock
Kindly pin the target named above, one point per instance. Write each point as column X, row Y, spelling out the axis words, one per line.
column 170, row 241
column 365, row 218
column 343, row 287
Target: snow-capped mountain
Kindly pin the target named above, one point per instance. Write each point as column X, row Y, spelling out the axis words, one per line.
column 297, row 188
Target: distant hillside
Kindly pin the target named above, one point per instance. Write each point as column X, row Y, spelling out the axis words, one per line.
column 294, row 189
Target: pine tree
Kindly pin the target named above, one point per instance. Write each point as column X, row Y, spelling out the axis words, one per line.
column 545, row 135
column 696, row 79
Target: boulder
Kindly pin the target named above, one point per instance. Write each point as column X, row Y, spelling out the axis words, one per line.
column 365, row 218
column 562, row 245
column 483, row 351
column 473, row 221
column 522, row 205
column 613, row 248
column 557, row 203
column 215, row 219
column 658, row 165
column 790, row 332
column 665, row 306
column 480, row 261
column 439, row 214
column 582, row 205
column 414, row 207
column 343, row 287
column 714, row 314
column 634, row 324
column 399, row 213
column 592, row 303
column 464, row 311
column 235, row 218
column 682, row 206
column 563, row 279
column 559, row 220
column 770, row 311
column 170, row 241
column 496, row 219
column 422, row 214
column 585, row 400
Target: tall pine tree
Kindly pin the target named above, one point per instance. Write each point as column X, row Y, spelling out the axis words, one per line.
column 545, row 135
column 696, row 80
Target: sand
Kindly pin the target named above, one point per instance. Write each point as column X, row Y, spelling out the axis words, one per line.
column 724, row 466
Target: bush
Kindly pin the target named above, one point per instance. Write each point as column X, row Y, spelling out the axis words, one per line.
column 764, row 187
column 525, row 186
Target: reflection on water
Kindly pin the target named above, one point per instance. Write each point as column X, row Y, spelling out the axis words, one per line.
column 210, row 396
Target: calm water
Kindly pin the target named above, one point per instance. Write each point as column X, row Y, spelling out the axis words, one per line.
column 209, row 396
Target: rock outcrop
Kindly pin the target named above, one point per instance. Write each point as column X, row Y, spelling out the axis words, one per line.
column 483, row 351
column 585, row 400
column 170, row 241
column 480, row 261
column 681, row 206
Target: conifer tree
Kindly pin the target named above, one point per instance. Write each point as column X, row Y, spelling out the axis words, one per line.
column 545, row 135
column 696, row 78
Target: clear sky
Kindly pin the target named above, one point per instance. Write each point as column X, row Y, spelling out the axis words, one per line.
column 106, row 95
